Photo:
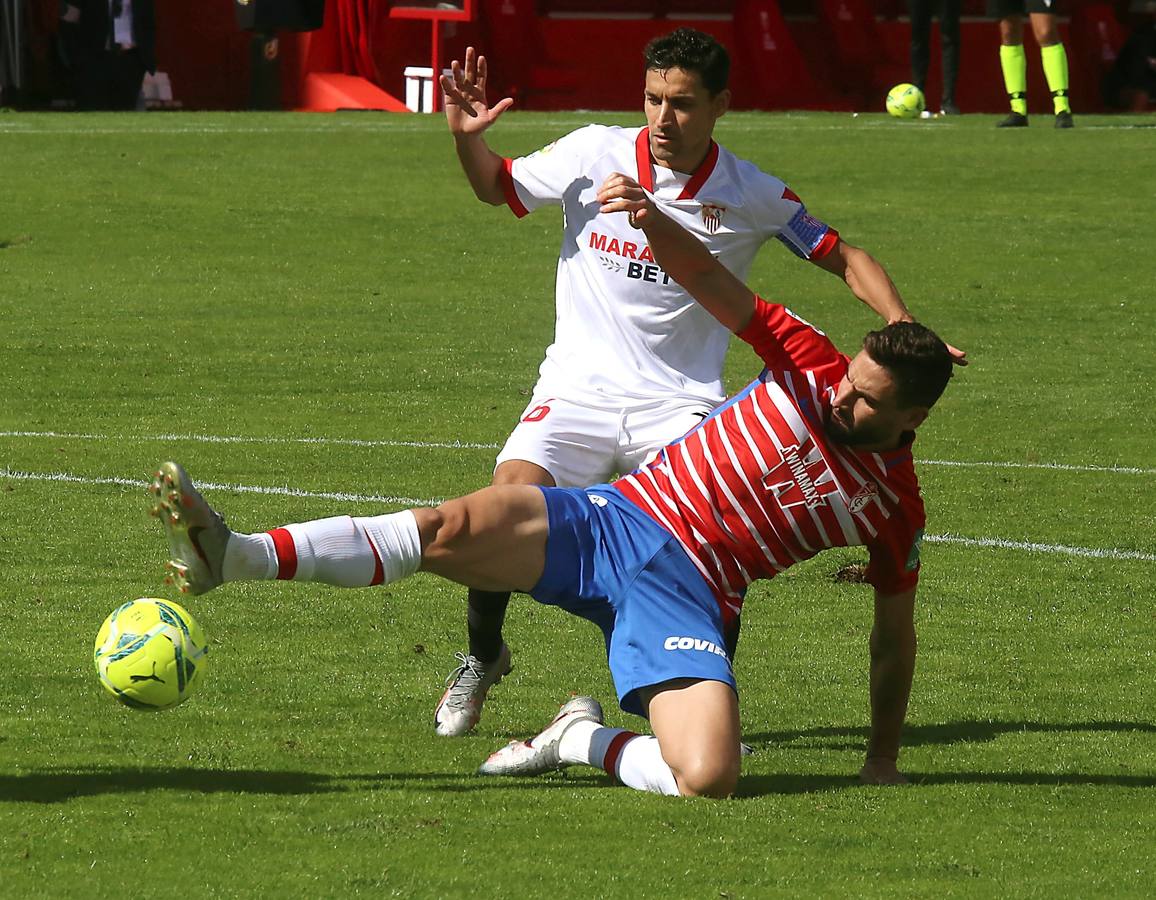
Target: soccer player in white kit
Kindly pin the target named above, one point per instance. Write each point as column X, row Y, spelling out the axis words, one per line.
column 635, row 361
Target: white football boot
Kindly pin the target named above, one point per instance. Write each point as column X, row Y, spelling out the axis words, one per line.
column 460, row 707
column 196, row 532
column 540, row 753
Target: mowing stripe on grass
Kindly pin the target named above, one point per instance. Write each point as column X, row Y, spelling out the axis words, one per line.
column 996, row 543
column 467, row 445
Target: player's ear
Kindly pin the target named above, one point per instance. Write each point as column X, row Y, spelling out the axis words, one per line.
column 721, row 102
column 914, row 417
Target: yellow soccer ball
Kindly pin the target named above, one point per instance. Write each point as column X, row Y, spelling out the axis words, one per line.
column 150, row 654
column 905, row 101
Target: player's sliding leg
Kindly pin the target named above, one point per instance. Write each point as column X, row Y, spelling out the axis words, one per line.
column 695, row 750
column 196, row 533
column 204, row 552
column 494, row 539
column 488, row 659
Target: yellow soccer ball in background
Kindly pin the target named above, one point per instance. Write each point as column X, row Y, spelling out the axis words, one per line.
column 150, row 654
column 905, row 101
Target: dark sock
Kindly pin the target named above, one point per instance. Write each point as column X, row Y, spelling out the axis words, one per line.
column 485, row 614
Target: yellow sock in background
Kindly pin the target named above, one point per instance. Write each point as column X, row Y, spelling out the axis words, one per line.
column 1055, row 61
column 1015, row 75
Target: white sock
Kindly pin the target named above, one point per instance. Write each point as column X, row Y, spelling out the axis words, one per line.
column 641, row 766
column 345, row 551
column 249, row 557
column 574, row 748
column 633, row 759
column 397, row 541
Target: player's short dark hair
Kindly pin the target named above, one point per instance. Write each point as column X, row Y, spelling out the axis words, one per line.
column 915, row 357
column 692, row 51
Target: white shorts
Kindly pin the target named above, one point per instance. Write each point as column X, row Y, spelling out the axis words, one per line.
column 583, row 445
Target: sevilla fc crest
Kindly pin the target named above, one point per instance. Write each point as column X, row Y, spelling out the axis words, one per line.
column 712, row 216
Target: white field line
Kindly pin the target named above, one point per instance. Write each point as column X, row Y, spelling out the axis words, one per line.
column 782, row 122
column 233, row 488
column 400, row 124
column 466, row 445
column 1057, row 467
column 1034, row 547
column 229, row 439
column 997, row 543
column 371, row 124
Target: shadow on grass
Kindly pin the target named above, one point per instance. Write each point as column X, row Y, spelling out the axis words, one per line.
column 976, row 732
column 761, row 785
column 60, row 786
column 855, row 739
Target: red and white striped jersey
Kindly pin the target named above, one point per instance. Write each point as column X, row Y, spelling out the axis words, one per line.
column 759, row 486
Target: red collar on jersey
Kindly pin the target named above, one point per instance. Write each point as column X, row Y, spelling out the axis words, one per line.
column 646, row 167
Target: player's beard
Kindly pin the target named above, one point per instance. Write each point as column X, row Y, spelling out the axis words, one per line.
column 850, row 435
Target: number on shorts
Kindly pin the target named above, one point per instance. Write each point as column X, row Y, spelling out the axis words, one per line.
column 537, row 414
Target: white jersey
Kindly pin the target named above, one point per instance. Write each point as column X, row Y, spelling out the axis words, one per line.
column 626, row 333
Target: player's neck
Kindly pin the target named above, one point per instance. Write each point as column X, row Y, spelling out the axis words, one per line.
column 687, row 164
column 887, row 446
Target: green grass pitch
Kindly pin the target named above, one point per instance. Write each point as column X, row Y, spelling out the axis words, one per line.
column 316, row 306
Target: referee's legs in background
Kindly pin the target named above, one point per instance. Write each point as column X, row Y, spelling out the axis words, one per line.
column 1013, row 60
column 921, row 12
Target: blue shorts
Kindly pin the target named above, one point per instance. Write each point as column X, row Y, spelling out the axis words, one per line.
column 609, row 562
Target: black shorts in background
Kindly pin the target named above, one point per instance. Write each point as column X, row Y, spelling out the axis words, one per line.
column 1001, row 9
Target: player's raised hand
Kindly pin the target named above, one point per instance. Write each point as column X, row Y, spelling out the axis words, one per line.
column 464, row 96
column 880, row 770
column 621, row 193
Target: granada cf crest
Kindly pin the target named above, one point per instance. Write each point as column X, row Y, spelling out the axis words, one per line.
column 867, row 493
column 712, row 216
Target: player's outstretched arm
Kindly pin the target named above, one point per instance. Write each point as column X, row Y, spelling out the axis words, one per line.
column 892, row 669
column 681, row 254
column 869, row 281
column 468, row 116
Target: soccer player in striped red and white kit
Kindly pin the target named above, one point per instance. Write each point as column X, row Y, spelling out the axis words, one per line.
column 816, row 453
column 634, row 362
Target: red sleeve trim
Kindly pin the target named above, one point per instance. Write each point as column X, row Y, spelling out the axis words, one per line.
column 826, row 245
column 506, row 176
column 757, row 326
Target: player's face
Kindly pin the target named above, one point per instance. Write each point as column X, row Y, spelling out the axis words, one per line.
column 680, row 114
column 866, row 412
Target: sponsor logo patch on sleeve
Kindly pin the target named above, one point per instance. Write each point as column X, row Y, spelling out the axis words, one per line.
column 913, row 556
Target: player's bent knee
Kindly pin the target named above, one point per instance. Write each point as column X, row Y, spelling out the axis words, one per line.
column 443, row 528
column 702, row 777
